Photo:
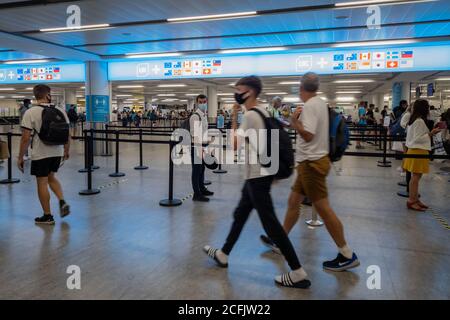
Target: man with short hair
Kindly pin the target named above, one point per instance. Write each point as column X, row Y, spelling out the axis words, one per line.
column 312, row 125
column 198, row 123
column 45, row 159
column 256, row 190
column 274, row 110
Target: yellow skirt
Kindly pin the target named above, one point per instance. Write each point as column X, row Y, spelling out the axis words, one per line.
column 415, row 165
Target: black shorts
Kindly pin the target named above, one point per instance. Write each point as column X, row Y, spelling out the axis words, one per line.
column 43, row 167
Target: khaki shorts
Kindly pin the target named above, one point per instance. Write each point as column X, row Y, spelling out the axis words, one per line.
column 311, row 178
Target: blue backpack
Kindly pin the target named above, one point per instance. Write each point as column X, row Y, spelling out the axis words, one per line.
column 339, row 135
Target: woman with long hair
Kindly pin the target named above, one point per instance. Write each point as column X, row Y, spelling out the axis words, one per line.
column 418, row 142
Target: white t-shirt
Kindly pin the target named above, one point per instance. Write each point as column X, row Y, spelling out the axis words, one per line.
column 198, row 123
column 417, row 136
column 32, row 120
column 315, row 120
column 252, row 120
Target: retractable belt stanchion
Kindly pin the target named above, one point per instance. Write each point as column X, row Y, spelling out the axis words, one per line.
column 384, row 163
column 117, row 174
column 89, row 142
column 219, row 169
column 314, row 221
column 10, row 179
column 86, row 153
column 141, row 164
column 170, row 202
column 93, row 166
column 106, row 153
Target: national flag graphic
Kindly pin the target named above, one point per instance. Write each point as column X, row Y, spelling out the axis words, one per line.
column 391, row 64
column 177, row 65
column 57, row 76
column 407, row 54
column 217, row 63
column 338, row 66
column 34, row 71
column 41, row 77
column 351, row 66
column 27, row 77
column 49, row 70
column 206, row 71
column 49, row 77
column 351, row 56
column 207, row 63
column 19, row 71
column 378, row 64
column 197, row 72
column 391, row 55
column 41, row 70
column 168, row 73
column 35, row 77
column 365, row 56
column 187, row 64
column 20, row 77
column 197, row 64
column 56, row 69
column 216, row 70
column 409, row 63
column 187, row 72
column 167, row 65
column 26, row 71
column 364, row 65
column 378, row 56
column 338, row 57
column 177, row 72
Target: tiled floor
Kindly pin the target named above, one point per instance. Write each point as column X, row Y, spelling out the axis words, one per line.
column 128, row 247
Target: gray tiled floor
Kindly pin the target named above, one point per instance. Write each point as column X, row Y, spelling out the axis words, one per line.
column 128, row 247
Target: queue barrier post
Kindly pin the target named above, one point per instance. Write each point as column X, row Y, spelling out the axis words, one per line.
column 384, row 163
column 10, row 179
column 117, row 174
column 170, row 202
column 106, row 146
column 86, row 153
column 91, row 158
column 219, row 169
column 314, row 221
column 141, row 160
column 89, row 147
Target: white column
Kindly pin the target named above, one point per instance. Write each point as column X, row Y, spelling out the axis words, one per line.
column 379, row 100
column 212, row 101
column 70, row 97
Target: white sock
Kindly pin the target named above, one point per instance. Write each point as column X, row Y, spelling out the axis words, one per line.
column 346, row 252
column 298, row 275
column 223, row 258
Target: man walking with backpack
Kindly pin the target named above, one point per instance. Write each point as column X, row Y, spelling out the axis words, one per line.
column 258, row 182
column 312, row 126
column 48, row 129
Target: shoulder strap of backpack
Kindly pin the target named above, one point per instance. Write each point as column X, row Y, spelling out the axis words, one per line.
column 264, row 118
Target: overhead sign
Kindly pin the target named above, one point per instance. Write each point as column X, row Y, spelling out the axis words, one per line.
column 37, row 73
column 418, row 57
column 97, row 108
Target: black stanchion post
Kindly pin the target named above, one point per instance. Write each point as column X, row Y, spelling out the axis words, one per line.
column 141, row 160
column 117, row 174
column 91, row 158
column 170, row 202
column 86, row 153
column 219, row 170
column 89, row 141
column 106, row 153
column 384, row 163
column 10, row 179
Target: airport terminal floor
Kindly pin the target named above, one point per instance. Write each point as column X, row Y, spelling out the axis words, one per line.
column 338, row 110
column 129, row 247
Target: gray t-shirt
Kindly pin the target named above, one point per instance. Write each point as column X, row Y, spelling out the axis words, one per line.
column 32, row 120
column 252, row 120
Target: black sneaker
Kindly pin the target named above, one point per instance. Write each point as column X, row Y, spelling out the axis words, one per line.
column 64, row 209
column 341, row 263
column 270, row 244
column 206, row 192
column 200, row 198
column 45, row 219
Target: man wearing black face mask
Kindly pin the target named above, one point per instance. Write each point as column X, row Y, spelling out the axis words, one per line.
column 45, row 157
column 256, row 190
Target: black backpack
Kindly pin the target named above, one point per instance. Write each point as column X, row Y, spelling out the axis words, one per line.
column 186, row 124
column 55, row 129
column 286, row 153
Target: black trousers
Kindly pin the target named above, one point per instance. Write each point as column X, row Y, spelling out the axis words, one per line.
column 198, row 175
column 256, row 195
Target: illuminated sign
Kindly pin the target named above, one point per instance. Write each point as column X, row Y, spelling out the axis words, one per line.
column 419, row 57
column 35, row 73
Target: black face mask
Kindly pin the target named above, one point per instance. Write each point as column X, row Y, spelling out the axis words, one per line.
column 239, row 97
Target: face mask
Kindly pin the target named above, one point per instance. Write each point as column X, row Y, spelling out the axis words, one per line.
column 203, row 107
column 239, row 97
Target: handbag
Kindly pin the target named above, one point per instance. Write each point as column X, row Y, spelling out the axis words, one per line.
column 4, row 150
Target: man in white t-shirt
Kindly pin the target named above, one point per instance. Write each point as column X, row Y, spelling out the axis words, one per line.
column 256, row 190
column 313, row 165
column 45, row 159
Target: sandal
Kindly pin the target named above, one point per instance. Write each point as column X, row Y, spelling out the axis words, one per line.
column 421, row 204
column 415, row 206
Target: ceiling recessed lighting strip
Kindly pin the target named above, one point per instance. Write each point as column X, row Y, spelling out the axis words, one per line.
column 214, row 17
column 130, row 86
column 151, row 55
column 289, row 82
column 251, row 50
column 354, row 81
column 80, row 28
column 175, row 85
column 373, row 43
column 25, row 61
column 7, row 89
column 365, row 3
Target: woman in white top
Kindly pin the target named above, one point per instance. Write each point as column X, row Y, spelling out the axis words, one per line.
column 418, row 142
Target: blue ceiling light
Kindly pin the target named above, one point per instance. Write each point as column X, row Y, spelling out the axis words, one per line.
column 251, row 50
